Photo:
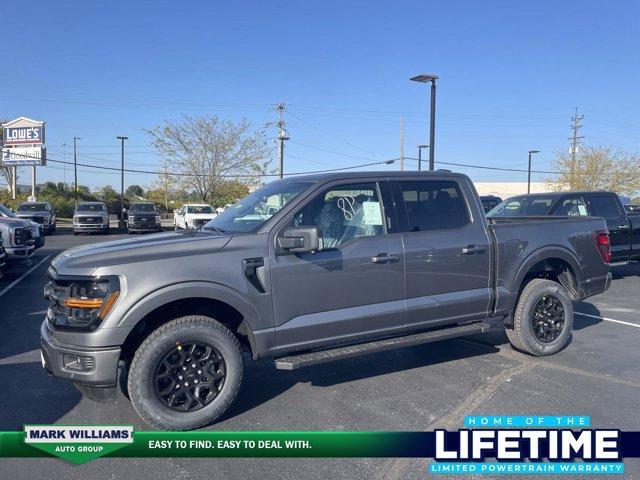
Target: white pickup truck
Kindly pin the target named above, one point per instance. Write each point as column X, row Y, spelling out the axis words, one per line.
column 193, row 216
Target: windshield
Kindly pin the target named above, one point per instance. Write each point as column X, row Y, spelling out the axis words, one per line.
column 143, row 207
column 199, row 209
column 523, row 206
column 32, row 207
column 250, row 213
column 5, row 212
column 91, row 207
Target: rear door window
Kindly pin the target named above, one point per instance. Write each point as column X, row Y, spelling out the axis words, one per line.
column 432, row 205
column 571, row 206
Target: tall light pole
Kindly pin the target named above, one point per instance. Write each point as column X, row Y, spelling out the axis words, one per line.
column 420, row 147
column 531, row 152
column 75, row 168
column 424, row 78
column 121, row 223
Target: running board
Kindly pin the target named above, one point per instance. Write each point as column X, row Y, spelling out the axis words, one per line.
column 293, row 362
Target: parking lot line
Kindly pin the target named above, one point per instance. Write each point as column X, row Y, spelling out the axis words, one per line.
column 24, row 275
column 608, row 319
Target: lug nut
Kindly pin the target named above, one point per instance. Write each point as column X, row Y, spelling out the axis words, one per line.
column 199, row 372
column 179, row 377
column 184, row 368
column 195, row 381
column 186, row 384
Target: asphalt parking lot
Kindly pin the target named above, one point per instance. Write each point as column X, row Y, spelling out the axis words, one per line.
column 416, row 388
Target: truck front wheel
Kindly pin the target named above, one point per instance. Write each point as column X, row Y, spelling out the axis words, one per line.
column 543, row 318
column 185, row 374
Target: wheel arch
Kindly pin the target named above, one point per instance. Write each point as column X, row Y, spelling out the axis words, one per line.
column 168, row 303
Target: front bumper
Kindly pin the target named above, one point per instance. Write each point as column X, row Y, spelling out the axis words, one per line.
column 38, row 242
column 90, row 227
column 96, row 367
column 21, row 251
column 144, row 227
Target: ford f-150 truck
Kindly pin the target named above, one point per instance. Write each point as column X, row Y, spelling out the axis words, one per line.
column 304, row 271
column 623, row 226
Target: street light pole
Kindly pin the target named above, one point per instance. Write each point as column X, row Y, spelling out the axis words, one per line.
column 420, row 147
column 424, row 78
column 531, row 152
column 75, row 168
column 121, row 223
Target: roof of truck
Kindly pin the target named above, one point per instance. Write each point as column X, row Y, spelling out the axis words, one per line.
column 317, row 177
column 559, row 194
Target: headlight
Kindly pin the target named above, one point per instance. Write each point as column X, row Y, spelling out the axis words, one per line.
column 76, row 219
column 157, row 218
column 80, row 304
column 18, row 236
column 131, row 218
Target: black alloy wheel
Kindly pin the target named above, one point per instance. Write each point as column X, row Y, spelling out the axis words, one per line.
column 548, row 318
column 190, row 376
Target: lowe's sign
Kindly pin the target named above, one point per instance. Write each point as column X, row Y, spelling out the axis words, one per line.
column 23, row 131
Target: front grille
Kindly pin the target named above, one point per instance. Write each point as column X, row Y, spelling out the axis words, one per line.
column 89, row 219
column 200, row 222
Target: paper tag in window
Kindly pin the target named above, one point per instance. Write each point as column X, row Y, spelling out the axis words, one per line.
column 372, row 214
column 582, row 210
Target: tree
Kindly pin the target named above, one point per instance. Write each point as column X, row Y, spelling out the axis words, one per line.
column 229, row 192
column 597, row 168
column 110, row 197
column 134, row 191
column 206, row 151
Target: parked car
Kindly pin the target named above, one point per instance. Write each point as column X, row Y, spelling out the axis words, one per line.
column 17, row 237
column 623, row 226
column 143, row 217
column 36, row 229
column 193, row 216
column 489, row 201
column 304, row 271
column 39, row 212
column 91, row 217
column 3, row 256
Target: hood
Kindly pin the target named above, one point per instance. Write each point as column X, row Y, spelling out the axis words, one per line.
column 15, row 222
column 35, row 213
column 201, row 215
column 86, row 259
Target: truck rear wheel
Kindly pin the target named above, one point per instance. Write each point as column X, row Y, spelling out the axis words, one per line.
column 543, row 318
column 185, row 374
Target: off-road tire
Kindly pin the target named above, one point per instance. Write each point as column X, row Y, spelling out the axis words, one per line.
column 141, row 374
column 521, row 334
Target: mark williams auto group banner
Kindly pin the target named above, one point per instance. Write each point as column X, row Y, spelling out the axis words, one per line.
column 488, row 445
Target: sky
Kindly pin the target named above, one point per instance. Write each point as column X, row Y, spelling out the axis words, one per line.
column 510, row 76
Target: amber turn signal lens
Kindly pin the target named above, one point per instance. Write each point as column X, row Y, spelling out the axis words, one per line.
column 82, row 302
column 108, row 304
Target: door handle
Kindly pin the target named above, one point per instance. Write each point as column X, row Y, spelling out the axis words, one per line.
column 623, row 227
column 472, row 249
column 385, row 258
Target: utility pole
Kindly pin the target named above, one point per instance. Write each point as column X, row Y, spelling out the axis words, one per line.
column 576, row 140
column 64, row 166
column 531, row 152
column 121, row 222
column 75, row 168
column 401, row 143
column 282, row 136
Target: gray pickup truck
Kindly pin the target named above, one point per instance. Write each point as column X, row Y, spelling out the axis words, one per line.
column 308, row 270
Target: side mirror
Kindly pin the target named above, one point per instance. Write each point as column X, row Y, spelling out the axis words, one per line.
column 301, row 239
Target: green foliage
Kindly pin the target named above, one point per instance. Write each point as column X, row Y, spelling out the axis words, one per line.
column 134, row 191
